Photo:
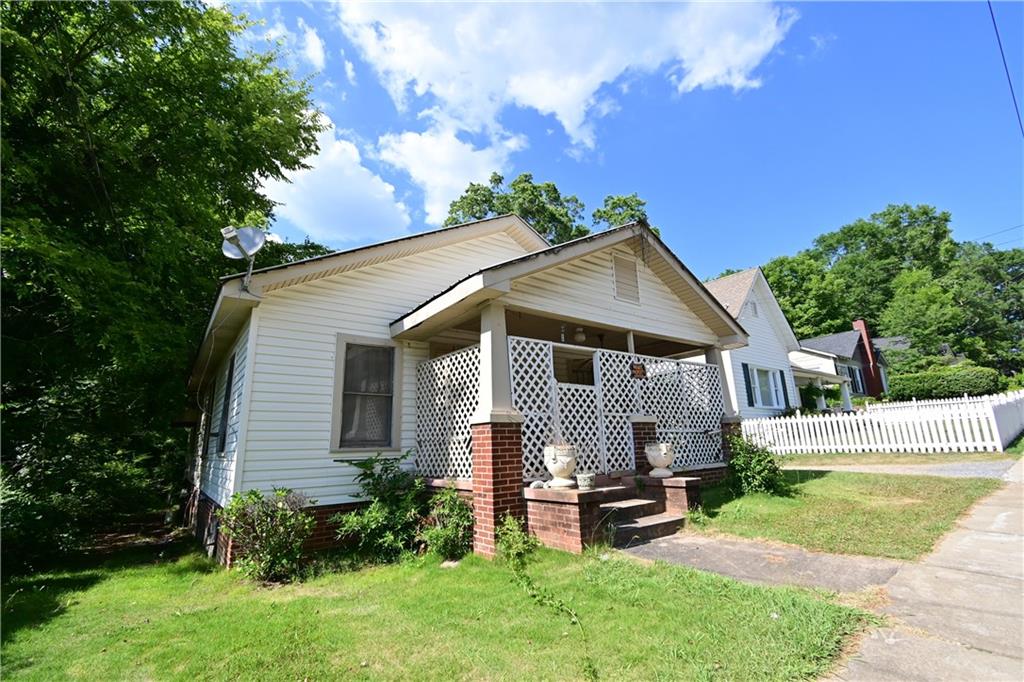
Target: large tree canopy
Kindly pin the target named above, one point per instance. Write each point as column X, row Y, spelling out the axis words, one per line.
column 901, row 270
column 556, row 216
column 132, row 132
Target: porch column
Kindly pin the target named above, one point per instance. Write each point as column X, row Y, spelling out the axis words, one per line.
column 844, row 395
column 714, row 357
column 496, row 436
column 819, row 401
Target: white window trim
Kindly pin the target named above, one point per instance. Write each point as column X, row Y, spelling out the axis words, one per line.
column 773, row 387
column 615, row 283
column 339, row 388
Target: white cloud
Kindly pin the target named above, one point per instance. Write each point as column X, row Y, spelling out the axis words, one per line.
column 312, row 46
column 350, row 72
column 475, row 60
column 338, row 199
column 442, row 164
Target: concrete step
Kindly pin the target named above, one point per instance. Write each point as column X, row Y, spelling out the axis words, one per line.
column 631, row 508
column 648, row 528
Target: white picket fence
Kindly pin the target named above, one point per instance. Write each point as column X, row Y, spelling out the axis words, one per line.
column 988, row 423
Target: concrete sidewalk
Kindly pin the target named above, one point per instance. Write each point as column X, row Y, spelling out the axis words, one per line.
column 959, row 613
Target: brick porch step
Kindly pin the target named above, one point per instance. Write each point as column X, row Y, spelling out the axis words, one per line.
column 648, row 528
column 632, row 508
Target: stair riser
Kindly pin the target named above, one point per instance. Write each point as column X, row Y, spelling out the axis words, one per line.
column 660, row 530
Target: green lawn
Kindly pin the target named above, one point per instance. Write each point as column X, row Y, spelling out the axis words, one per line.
column 180, row 617
column 896, row 516
column 895, row 458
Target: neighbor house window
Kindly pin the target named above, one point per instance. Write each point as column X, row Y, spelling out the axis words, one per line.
column 856, row 377
column 627, row 282
column 365, row 416
column 765, row 387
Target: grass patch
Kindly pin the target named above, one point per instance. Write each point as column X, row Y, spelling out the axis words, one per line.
column 896, row 516
column 1016, row 448
column 895, row 458
column 181, row 618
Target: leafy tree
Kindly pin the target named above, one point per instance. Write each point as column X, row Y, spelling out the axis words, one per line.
column 619, row 209
column 724, row 273
column 557, row 217
column 132, row 132
column 810, row 295
column 275, row 253
column 922, row 310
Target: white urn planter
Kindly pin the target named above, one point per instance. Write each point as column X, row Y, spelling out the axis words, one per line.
column 560, row 461
column 660, row 456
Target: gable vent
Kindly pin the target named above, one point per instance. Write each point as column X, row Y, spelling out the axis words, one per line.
column 627, row 284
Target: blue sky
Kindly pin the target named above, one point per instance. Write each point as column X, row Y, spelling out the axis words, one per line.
column 748, row 128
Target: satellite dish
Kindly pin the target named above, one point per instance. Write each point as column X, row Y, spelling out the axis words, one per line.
column 242, row 242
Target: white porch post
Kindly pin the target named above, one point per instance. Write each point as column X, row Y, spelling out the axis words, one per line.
column 819, row 401
column 844, row 394
column 714, row 357
column 495, row 404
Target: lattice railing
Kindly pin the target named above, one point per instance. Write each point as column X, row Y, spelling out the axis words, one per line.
column 447, row 393
column 685, row 397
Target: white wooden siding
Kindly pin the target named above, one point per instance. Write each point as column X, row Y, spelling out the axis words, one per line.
column 218, row 468
column 289, row 429
column 765, row 349
column 584, row 290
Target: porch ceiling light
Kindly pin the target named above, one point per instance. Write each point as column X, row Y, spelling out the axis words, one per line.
column 580, row 336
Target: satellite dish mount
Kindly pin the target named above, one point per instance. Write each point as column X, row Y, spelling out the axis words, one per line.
column 243, row 242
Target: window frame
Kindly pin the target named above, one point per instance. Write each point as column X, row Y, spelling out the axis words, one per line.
column 615, row 279
column 395, row 440
column 774, row 387
column 225, row 408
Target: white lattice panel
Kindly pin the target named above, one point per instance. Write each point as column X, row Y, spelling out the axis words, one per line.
column 533, row 386
column 685, row 397
column 447, row 393
column 579, row 423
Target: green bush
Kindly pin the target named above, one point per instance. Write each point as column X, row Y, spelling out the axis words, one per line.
column 753, row 469
column 390, row 525
column 269, row 532
column 946, row 382
column 449, row 529
column 516, row 547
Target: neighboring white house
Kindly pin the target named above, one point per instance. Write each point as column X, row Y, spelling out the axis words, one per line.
column 411, row 343
column 759, row 375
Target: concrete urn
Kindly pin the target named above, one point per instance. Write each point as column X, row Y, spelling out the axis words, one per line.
column 560, row 461
column 660, row 456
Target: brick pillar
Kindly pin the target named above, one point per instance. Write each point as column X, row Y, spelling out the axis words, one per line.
column 730, row 427
column 645, row 430
column 497, row 481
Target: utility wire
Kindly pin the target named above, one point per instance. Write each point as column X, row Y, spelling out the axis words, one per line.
column 992, row 234
column 1006, row 68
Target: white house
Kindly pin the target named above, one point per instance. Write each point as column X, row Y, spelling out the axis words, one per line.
column 759, row 376
column 467, row 345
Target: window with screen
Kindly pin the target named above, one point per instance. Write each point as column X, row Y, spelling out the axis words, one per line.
column 367, row 396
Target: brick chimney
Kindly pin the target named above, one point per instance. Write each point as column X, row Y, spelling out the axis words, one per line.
column 872, row 372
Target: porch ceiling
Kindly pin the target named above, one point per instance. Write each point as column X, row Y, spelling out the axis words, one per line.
column 803, row 373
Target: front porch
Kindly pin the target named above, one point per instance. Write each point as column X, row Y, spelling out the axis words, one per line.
column 501, row 387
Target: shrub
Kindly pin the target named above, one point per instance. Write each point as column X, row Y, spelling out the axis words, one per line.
column 946, row 382
column 515, row 545
column 269, row 531
column 390, row 525
column 753, row 469
column 449, row 530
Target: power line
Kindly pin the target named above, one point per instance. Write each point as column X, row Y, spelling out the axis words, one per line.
column 1006, row 68
column 992, row 234
column 1008, row 241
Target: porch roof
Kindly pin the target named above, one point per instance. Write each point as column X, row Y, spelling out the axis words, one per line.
column 464, row 297
column 805, row 373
